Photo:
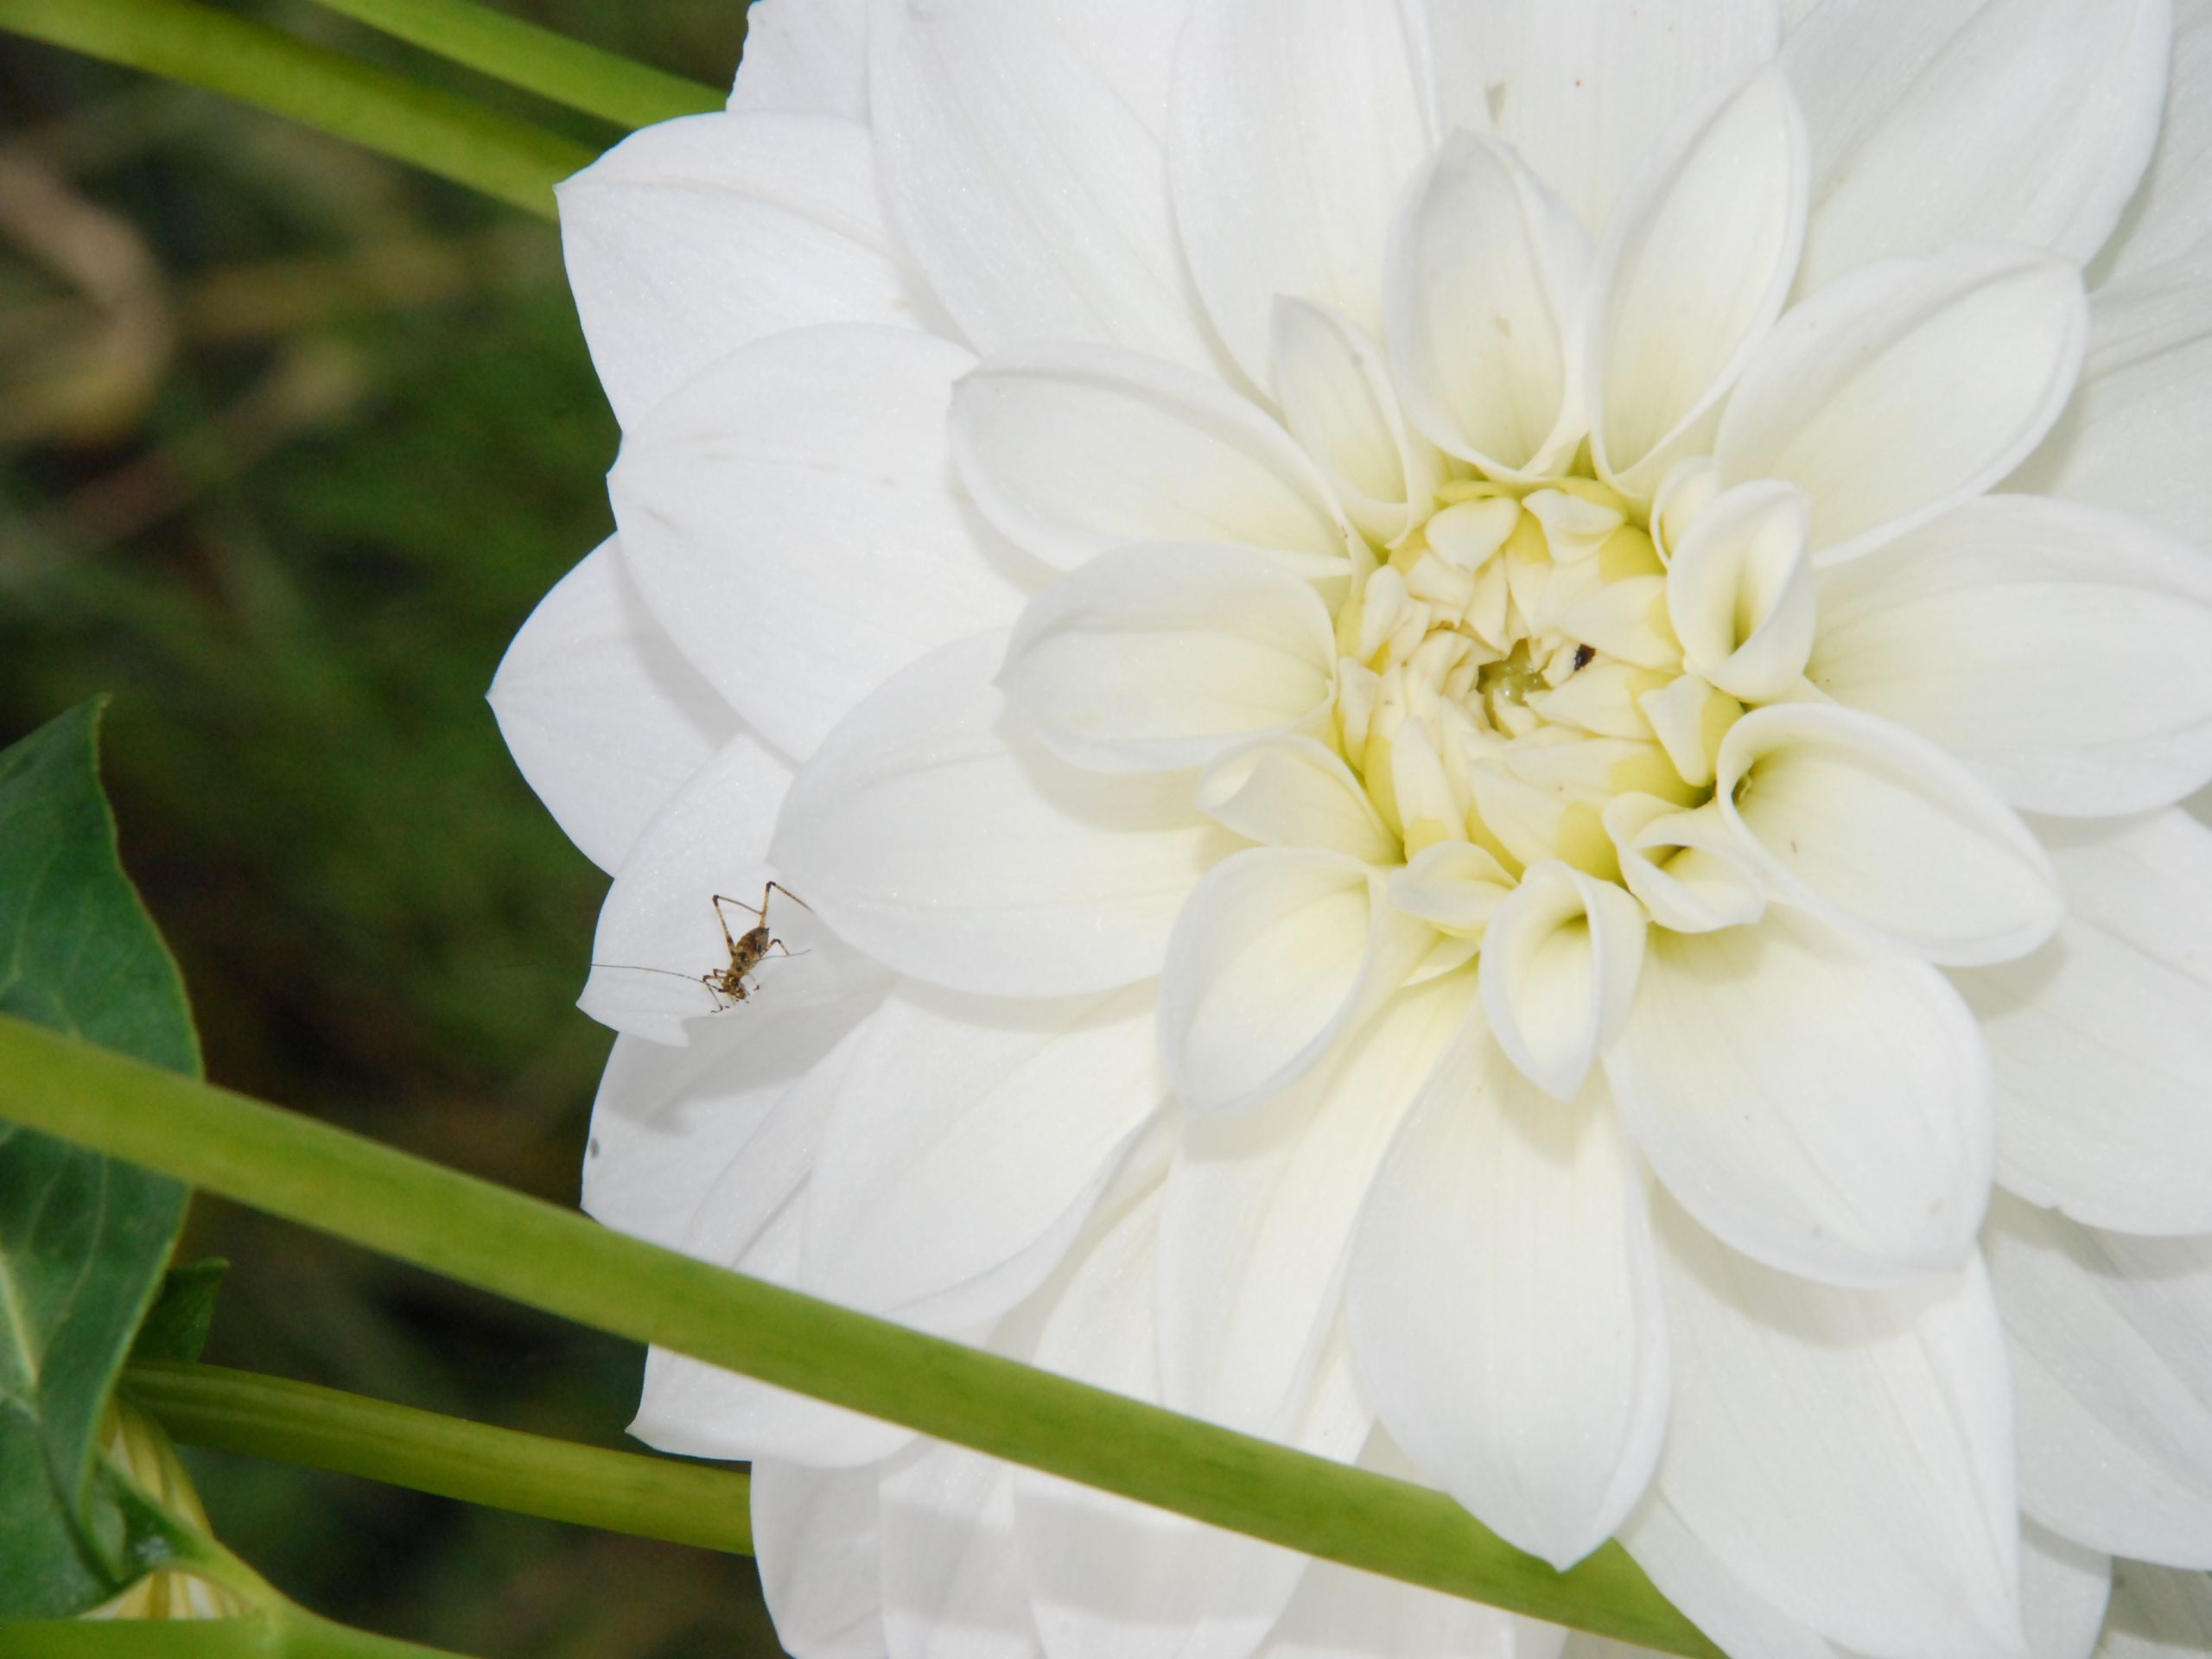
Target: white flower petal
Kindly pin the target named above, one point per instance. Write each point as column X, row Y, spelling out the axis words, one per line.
column 1914, row 386
column 1695, row 1580
column 2064, row 1589
column 1559, row 969
column 1264, row 209
column 602, row 713
column 953, row 1586
column 1264, row 970
column 1846, row 1453
column 2102, row 1039
column 1113, row 1580
column 1074, row 449
column 1687, row 868
column 752, row 1220
column 1586, row 89
column 1739, row 591
column 1260, row 1214
column 814, row 1536
column 668, row 1122
column 2111, row 1356
column 1880, row 831
column 1504, row 1304
column 2171, row 213
column 2063, row 653
column 691, row 239
column 805, row 54
column 1294, row 792
column 799, row 543
column 1339, row 1613
column 1334, row 387
column 1032, row 193
column 663, row 926
column 2135, row 434
column 1694, row 266
column 970, row 1141
column 1483, row 292
column 2157, row 1614
column 966, row 855
column 1158, row 658
column 1942, row 121
column 1455, row 887
column 1819, row 1104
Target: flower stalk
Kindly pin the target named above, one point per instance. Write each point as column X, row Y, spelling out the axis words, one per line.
column 196, row 44
column 228, row 1410
column 557, row 1260
column 566, row 72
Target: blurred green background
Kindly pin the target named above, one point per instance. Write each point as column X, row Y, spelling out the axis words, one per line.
column 291, row 440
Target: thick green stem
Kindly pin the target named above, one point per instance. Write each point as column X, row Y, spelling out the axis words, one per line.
column 186, row 41
column 285, row 1633
column 298, row 1422
column 536, row 60
column 554, row 1259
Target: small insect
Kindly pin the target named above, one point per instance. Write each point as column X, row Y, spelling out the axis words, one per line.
column 747, row 950
column 1584, row 656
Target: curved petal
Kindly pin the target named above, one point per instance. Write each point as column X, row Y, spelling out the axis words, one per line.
column 2111, row 1354
column 801, row 544
column 1881, row 832
column 693, row 237
column 1031, row 190
column 1336, row 398
column 1264, row 970
column 1504, row 1305
column 1586, row 89
column 664, row 924
column 602, row 714
column 1696, row 1580
column 2102, row 1039
column 2064, row 1589
column 1558, row 970
column 953, row 1586
column 1694, row 267
column 967, row 856
column 668, row 1122
column 1739, row 592
column 2135, row 433
column 1113, row 1580
column 969, row 1140
column 1848, row 1453
column 1159, row 657
column 1296, row 791
column 1914, row 386
column 1073, row 449
column 814, row 1535
column 1821, row 1106
column 1263, row 209
column 805, row 54
column 2171, row 213
column 1483, row 292
column 1687, row 868
column 751, row 1219
column 2063, row 653
column 1942, row 121
column 1260, row 1214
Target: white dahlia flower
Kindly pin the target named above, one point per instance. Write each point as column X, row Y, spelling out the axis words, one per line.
column 1481, row 702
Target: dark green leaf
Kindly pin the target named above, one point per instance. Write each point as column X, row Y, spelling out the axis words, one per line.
column 176, row 1328
column 83, row 1239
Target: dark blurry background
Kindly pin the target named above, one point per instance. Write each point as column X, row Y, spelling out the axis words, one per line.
column 292, row 439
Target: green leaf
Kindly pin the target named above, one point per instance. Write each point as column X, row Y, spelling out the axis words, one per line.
column 83, row 1239
column 176, row 1328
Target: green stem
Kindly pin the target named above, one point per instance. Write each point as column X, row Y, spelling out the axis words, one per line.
column 536, row 60
column 554, row 1259
column 298, row 1422
column 186, row 41
column 285, row 1633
